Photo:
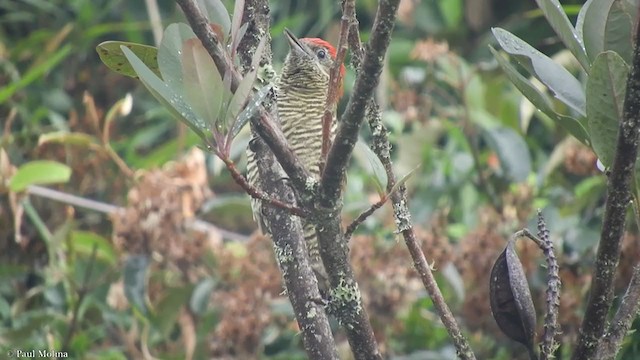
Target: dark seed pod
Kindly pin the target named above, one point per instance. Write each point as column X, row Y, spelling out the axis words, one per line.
column 510, row 299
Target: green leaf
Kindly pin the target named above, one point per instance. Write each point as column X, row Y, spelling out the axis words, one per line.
column 39, row 172
column 451, row 12
column 168, row 308
column 203, row 84
column 618, row 35
column 593, row 26
column 135, row 281
column 83, row 242
column 562, row 26
column 236, row 21
column 250, row 109
column 372, row 165
column 580, row 22
column 201, row 296
column 67, row 138
column 606, row 88
column 564, row 86
column 512, row 151
column 540, row 101
column 217, row 13
column 243, row 92
column 37, row 71
column 404, row 179
column 111, row 54
column 167, row 96
column 169, row 59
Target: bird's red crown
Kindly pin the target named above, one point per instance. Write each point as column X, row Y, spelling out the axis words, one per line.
column 332, row 52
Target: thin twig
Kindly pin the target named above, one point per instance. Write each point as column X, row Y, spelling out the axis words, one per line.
column 335, row 77
column 259, row 194
column 196, row 224
column 363, row 216
column 382, row 149
column 618, row 199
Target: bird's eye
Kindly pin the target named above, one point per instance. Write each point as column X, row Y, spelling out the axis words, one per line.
column 322, row 53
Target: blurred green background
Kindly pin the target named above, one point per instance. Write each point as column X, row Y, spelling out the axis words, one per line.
column 141, row 284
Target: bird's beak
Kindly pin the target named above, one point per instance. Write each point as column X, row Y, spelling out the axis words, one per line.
column 295, row 44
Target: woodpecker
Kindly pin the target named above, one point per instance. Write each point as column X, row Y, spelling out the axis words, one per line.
column 301, row 93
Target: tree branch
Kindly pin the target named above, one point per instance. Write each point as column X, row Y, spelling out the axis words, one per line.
column 619, row 196
column 346, row 301
column 286, row 230
column 366, row 82
column 293, row 260
column 627, row 312
column 381, row 147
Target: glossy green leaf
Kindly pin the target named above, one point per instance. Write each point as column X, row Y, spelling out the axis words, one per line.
column 169, row 54
column 112, row 56
column 560, row 23
column 135, row 281
column 618, row 35
column 512, row 151
column 84, row 241
column 203, row 84
column 564, row 86
column 39, row 172
column 174, row 102
column 606, row 88
column 540, row 100
column 201, row 296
